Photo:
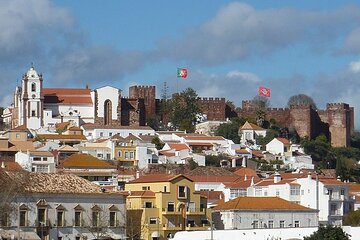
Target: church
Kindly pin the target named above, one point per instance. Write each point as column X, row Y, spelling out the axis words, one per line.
column 37, row 107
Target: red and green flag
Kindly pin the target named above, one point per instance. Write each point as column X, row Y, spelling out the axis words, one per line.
column 182, row 72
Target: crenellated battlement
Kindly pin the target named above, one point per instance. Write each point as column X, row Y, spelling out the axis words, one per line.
column 210, row 99
column 337, row 106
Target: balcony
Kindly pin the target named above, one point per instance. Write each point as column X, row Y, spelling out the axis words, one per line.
column 168, row 227
column 195, row 227
column 195, row 211
column 170, row 211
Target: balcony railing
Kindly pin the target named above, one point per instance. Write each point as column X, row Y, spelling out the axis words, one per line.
column 189, row 211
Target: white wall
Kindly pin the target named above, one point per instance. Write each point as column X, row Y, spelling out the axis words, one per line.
column 107, row 93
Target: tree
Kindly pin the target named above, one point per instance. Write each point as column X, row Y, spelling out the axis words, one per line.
column 328, row 233
column 352, row 219
column 158, row 143
column 135, row 227
column 261, row 104
column 184, row 110
column 192, row 164
column 301, row 99
column 214, row 160
column 229, row 130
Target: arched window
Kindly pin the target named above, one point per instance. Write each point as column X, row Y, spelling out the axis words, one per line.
column 33, row 87
column 107, row 112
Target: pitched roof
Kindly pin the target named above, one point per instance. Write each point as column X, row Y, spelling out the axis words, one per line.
column 67, row 148
column 10, row 166
column 146, row 193
column 54, row 183
column 242, row 151
column 250, row 126
column 67, row 95
column 262, row 204
column 244, row 171
column 85, row 161
column 62, row 125
column 179, row 146
column 158, row 178
column 15, row 146
column 20, row 128
column 211, row 171
column 284, row 140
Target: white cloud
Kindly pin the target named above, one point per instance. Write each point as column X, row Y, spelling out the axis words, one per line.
column 247, row 76
column 354, row 66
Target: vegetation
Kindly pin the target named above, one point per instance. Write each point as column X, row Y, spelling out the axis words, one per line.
column 301, row 99
column 192, row 164
column 184, row 110
column 329, row 233
column 214, row 160
column 352, row 219
column 158, row 143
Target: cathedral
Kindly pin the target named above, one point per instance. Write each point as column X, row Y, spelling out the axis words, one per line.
column 37, row 107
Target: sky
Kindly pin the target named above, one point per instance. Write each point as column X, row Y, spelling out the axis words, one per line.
column 229, row 48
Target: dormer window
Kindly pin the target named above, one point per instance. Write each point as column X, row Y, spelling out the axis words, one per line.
column 33, row 87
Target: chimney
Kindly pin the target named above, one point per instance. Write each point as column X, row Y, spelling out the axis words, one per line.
column 277, row 177
column 137, row 174
column 309, row 176
column 252, row 181
column 245, row 178
column 2, row 164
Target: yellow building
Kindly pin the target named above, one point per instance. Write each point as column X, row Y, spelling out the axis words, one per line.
column 125, row 150
column 168, row 204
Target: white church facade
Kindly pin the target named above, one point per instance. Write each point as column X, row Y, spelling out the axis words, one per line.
column 37, row 107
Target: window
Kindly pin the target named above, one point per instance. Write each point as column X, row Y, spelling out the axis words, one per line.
column 131, row 155
column 148, row 204
column 42, row 168
column 277, row 193
column 255, row 224
column 126, row 155
column 270, row 224
column 17, row 135
column 294, row 190
column 101, row 134
column 112, row 222
column 342, row 191
column 297, row 223
column 4, row 219
column 191, row 207
column 164, row 188
column 95, row 218
column 181, row 191
column 171, row 207
column 60, row 218
column 144, row 188
column 44, row 159
column 282, row 224
column 110, row 134
column 119, row 153
column 99, row 155
column 191, row 223
column 37, row 159
column 23, row 218
column 78, row 217
column 153, row 220
column 41, row 215
column 33, row 114
column 33, row 87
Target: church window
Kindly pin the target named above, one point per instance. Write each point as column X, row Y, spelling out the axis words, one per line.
column 33, row 87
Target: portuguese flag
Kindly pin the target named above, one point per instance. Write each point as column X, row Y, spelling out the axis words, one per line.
column 182, row 72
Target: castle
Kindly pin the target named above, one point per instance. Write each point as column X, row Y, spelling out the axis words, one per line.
column 35, row 107
column 336, row 122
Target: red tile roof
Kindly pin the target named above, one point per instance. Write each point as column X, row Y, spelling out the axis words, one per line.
column 179, row 146
column 216, row 179
column 146, row 193
column 85, row 161
column 262, row 204
column 67, row 96
column 68, row 137
column 251, row 126
column 204, row 138
column 244, row 171
column 284, row 141
column 242, row 151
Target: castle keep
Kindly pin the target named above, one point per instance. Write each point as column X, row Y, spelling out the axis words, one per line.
column 336, row 122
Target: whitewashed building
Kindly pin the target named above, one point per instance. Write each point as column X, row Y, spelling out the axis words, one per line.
column 65, row 206
column 36, row 161
column 249, row 132
column 93, row 131
column 262, row 212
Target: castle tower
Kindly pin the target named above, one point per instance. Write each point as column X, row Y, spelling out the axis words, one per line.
column 148, row 94
column 32, row 100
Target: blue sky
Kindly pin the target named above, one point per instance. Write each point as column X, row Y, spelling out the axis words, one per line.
column 229, row 47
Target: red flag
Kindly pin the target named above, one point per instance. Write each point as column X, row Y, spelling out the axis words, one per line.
column 182, row 72
column 264, row 91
